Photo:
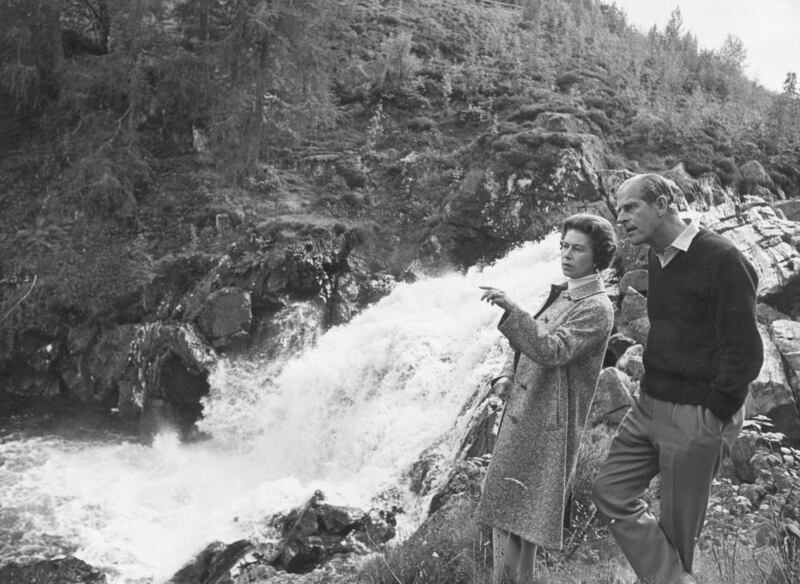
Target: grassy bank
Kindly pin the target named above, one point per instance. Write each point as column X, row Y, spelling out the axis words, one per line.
column 751, row 533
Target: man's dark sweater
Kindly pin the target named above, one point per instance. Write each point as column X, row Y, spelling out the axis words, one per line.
column 704, row 347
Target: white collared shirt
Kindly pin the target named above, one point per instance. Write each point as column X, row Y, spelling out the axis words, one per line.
column 681, row 243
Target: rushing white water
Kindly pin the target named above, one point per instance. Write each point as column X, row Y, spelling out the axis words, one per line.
column 348, row 416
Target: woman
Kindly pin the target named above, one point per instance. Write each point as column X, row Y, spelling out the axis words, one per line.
column 550, row 380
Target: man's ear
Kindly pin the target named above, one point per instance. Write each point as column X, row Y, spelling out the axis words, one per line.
column 662, row 204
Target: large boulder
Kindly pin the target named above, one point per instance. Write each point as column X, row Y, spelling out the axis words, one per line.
column 636, row 279
column 633, row 320
column 613, row 397
column 771, row 393
column 786, row 337
column 631, row 362
column 618, row 343
column 226, row 317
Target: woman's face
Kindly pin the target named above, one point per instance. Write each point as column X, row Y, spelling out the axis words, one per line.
column 577, row 257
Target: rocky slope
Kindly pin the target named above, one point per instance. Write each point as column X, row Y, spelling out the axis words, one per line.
column 448, row 155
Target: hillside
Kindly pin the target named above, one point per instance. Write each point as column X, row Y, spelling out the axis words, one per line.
column 324, row 150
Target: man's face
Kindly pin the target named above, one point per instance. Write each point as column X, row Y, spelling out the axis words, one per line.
column 640, row 219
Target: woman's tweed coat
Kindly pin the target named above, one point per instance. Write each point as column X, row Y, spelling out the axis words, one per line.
column 558, row 356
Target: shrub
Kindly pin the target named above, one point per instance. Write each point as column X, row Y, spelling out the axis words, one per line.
column 726, row 170
column 766, row 512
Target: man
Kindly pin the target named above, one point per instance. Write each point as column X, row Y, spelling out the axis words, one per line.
column 703, row 349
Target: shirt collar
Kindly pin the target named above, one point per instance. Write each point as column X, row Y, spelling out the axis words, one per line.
column 685, row 237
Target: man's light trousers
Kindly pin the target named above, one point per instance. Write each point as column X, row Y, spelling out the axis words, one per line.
column 685, row 443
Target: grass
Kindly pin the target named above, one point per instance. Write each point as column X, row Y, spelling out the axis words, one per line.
column 450, row 549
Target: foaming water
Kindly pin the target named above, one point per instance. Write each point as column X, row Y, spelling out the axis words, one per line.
column 347, row 416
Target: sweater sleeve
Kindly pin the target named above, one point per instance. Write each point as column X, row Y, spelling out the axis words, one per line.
column 734, row 284
column 589, row 324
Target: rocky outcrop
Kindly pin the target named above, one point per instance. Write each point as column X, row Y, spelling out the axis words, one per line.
column 308, row 536
column 768, row 241
column 269, row 296
column 544, row 164
column 166, row 377
column 69, row 570
column 311, row 534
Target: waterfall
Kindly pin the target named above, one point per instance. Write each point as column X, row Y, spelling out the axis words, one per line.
column 347, row 415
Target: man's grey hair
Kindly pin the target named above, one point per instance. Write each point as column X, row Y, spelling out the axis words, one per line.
column 651, row 186
column 654, row 186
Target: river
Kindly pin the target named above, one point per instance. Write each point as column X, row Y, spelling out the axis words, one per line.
column 347, row 414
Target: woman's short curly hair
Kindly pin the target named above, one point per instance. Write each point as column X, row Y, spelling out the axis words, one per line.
column 601, row 233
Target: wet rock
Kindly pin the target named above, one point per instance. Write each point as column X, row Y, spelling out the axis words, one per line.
column 613, row 397
column 68, row 570
column 165, row 378
column 218, row 563
column 313, row 533
column 306, row 273
column 226, row 317
column 280, row 335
